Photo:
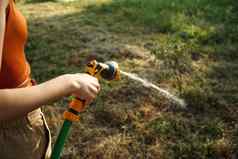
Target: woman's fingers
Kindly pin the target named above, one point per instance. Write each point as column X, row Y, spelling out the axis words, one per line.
column 97, row 86
column 90, row 94
column 89, row 87
column 94, row 90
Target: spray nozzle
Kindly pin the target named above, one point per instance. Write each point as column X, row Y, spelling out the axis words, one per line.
column 111, row 72
column 108, row 70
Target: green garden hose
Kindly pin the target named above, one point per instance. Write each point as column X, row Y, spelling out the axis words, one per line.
column 59, row 145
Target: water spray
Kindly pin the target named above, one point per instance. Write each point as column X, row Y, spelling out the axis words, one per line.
column 148, row 84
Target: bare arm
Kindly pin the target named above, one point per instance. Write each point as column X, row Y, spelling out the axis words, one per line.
column 18, row 102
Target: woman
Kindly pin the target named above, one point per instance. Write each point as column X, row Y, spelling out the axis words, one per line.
column 23, row 131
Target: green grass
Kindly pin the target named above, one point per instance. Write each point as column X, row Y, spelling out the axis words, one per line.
column 186, row 46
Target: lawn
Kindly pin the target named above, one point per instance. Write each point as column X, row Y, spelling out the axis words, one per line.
column 188, row 47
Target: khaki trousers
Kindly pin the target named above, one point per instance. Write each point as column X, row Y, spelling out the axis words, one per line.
column 25, row 138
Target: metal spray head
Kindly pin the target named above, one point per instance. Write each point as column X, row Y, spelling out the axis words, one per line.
column 108, row 70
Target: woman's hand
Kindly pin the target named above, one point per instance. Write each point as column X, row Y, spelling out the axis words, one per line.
column 84, row 86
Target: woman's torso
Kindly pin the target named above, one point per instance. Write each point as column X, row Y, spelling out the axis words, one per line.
column 15, row 70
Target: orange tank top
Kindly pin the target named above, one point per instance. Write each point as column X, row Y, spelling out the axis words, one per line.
column 15, row 71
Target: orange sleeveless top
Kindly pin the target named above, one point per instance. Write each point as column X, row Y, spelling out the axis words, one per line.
column 15, row 71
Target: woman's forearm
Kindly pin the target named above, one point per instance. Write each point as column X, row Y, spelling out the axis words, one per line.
column 18, row 102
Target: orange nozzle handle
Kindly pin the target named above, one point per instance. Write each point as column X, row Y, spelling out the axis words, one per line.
column 75, row 107
column 71, row 116
column 77, row 104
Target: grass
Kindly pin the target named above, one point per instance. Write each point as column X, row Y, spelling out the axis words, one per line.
column 188, row 47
